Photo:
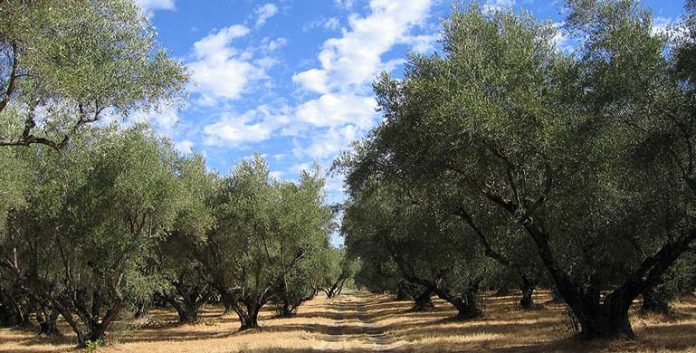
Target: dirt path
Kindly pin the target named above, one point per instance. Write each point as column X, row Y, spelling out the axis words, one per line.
column 355, row 328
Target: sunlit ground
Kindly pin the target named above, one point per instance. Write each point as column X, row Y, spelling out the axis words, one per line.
column 367, row 323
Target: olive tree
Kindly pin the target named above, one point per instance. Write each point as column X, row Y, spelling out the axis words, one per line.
column 304, row 215
column 95, row 210
column 65, row 64
column 264, row 230
column 341, row 269
column 177, row 253
column 437, row 253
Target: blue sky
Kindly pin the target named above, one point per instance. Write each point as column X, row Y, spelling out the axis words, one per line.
column 291, row 79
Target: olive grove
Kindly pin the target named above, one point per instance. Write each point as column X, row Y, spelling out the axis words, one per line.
column 581, row 160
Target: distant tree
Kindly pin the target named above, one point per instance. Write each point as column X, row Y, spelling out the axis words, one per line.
column 434, row 252
column 177, row 254
column 264, row 230
column 307, row 220
column 341, row 269
column 67, row 63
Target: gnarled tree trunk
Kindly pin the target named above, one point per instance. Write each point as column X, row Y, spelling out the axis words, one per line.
column 465, row 302
column 248, row 314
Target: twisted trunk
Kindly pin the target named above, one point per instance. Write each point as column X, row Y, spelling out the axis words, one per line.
column 94, row 328
column 608, row 319
column 464, row 302
column 336, row 287
column 248, row 314
column 187, row 312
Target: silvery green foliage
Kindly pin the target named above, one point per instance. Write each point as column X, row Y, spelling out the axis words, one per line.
column 64, row 64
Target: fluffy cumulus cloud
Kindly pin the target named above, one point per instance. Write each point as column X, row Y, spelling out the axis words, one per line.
column 263, row 13
column 337, row 110
column 355, row 58
column 219, row 70
column 250, row 127
column 343, row 108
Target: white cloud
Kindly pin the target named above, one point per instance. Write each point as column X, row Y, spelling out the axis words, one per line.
column 329, row 143
column 314, row 80
column 562, row 40
column 263, row 13
column 345, row 108
column 422, row 44
column 346, row 4
column 184, row 147
column 149, row 6
column 217, row 44
column 355, row 58
column 297, row 169
column 270, row 44
column 338, row 109
column 164, row 118
column 276, row 174
column 341, row 107
column 332, row 23
column 329, row 24
column 253, row 126
column 219, row 69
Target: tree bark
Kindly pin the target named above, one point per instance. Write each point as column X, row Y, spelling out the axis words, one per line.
column 336, row 287
column 466, row 306
column 188, row 313
column 465, row 303
column 606, row 321
column 248, row 316
column 423, row 301
column 48, row 323
column 21, row 313
column 228, row 301
column 527, row 287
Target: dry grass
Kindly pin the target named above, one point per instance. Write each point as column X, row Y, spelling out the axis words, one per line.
column 374, row 323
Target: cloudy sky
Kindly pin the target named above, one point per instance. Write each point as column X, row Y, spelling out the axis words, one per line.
column 291, row 79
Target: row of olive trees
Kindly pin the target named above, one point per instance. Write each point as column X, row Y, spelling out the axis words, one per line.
column 506, row 152
column 119, row 219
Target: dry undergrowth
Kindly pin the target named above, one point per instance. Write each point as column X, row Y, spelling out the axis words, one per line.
column 369, row 323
